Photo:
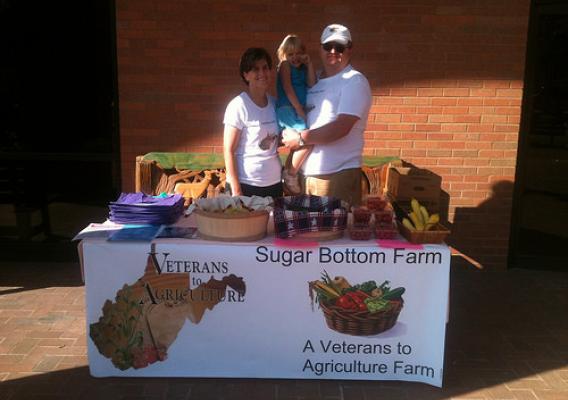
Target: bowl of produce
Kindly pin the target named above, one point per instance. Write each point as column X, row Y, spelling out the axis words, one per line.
column 361, row 310
column 230, row 220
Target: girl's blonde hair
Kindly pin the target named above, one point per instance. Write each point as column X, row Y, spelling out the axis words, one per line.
column 290, row 42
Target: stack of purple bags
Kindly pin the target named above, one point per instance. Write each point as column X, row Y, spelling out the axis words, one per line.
column 140, row 208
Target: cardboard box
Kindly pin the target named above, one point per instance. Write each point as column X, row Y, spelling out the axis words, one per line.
column 404, row 183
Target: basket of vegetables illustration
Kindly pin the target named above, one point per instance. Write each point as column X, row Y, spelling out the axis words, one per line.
column 360, row 310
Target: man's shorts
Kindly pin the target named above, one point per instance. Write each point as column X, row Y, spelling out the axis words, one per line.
column 345, row 185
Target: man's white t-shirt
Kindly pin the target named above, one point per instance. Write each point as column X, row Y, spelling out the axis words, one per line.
column 255, row 166
column 347, row 92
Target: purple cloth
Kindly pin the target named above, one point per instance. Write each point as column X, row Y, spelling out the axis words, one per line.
column 143, row 199
column 140, row 208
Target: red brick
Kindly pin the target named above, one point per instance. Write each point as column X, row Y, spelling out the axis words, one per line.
column 387, row 135
column 467, row 118
column 428, row 127
column 480, row 128
column 389, row 100
column 491, row 153
column 493, row 119
column 506, row 128
column 429, row 110
column 430, row 92
column 508, row 110
column 403, row 91
column 414, row 118
column 402, row 144
column 402, row 109
column 497, row 84
column 456, row 92
column 444, row 83
column 509, row 93
column 470, row 101
column 466, row 136
column 464, row 153
column 416, row 100
column 475, row 162
column 513, row 119
column 505, row 146
column 455, row 110
column 377, row 127
column 454, row 127
column 474, row 92
column 379, row 109
column 481, row 171
column 439, row 153
column 479, row 145
column 499, row 102
column 440, row 136
column 470, row 83
column 387, row 118
column 440, row 118
column 450, row 161
column 408, row 153
column 476, row 178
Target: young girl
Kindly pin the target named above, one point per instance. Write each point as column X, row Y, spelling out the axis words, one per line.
column 295, row 75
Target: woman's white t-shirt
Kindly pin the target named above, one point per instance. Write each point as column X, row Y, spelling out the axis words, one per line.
column 255, row 166
column 347, row 92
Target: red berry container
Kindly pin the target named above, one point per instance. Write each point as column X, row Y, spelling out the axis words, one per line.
column 361, row 215
column 385, row 216
column 386, row 230
column 360, row 232
column 376, row 203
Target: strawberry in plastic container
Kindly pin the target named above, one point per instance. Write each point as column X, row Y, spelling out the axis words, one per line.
column 386, row 230
column 360, row 232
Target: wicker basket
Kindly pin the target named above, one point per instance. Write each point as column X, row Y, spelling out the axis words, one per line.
column 361, row 323
column 240, row 227
column 435, row 235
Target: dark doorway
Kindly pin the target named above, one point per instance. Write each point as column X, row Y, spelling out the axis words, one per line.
column 59, row 146
column 539, row 233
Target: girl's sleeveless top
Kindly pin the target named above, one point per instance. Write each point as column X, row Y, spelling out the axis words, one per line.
column 298, row 78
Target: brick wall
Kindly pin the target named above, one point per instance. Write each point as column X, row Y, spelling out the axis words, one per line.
column 447, row 82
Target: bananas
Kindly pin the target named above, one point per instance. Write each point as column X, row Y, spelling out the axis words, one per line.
column 419, row 219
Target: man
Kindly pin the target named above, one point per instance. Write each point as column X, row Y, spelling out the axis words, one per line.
column 338, row 106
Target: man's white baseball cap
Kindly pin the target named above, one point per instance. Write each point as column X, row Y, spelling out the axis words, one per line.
column 336, row 33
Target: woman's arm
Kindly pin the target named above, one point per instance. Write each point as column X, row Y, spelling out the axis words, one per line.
column 285, row 77
column 231, row 136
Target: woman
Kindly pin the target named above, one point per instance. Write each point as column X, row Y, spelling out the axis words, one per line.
column 251, row 132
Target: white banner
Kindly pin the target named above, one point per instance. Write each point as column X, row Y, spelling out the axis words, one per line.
column 192, row 308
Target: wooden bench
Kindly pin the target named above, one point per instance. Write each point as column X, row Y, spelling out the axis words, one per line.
column 203, row 175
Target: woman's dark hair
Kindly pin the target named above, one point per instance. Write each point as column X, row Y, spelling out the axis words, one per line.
column 250, row 57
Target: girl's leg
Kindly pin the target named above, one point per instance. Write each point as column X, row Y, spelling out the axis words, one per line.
column 296, row 159
column 290, row 174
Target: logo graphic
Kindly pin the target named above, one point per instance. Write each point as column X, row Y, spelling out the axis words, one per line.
column 360, row 310
column 268, row 141
column 145, row 318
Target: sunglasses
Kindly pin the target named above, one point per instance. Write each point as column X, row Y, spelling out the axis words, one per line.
column 339, row 48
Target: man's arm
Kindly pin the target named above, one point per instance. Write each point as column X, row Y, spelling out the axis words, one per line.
column 324, row 134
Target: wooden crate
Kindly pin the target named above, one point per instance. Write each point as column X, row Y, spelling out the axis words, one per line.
column 153, row 178
column 405, row 183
